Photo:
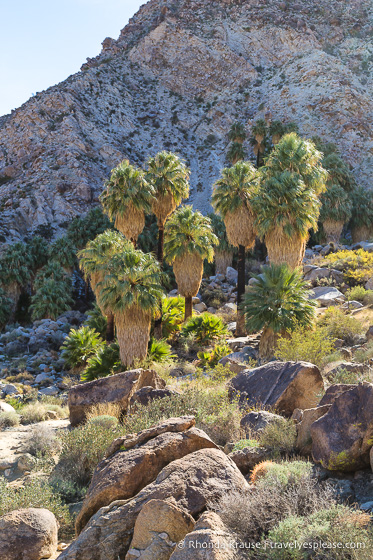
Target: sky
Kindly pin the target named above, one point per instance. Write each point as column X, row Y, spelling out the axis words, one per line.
column 42, row 42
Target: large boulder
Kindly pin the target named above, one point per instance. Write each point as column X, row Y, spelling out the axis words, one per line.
column 255, row 421
column 282, row 385
column 193, row 481
column 147, row 394
column 327, row 295
column 210, row 540
column 333, row 393
column 6, row 407
column 247, row 458
column 28, row 534
column 343, row 437
column 313, row 274
column 126, row 472
column 159, row 526
column 116, row 389
column 309, row 416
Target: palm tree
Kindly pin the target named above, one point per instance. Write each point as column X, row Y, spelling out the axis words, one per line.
column 231, row 198
column 336, row 211
column 362, row 215
column 51, row 299
column 224, row 252
column 277, row 302
column 235, row 152
column 189, row 240
column 132, row 289
column 259, row 135
column 287, row 203
column 237, row 136
column 16, row 264
column 276, row 131
column 95, row 261
column 127, row 197
column 82, row 230
column 63, row 251
column 169, row 177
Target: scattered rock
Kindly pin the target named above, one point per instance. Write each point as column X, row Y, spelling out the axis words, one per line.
column 314, row 273
column 116, row 389
column 147, row 394
column 282, row 385
column 26, row 462
column 231, row 276
column 28, row 534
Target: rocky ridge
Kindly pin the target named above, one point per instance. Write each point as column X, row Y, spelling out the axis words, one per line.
column 180, row 73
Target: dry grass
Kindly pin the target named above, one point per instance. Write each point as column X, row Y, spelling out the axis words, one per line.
column 163, row 206
column 223, row 259
column 38, row 412
column 333, row 230
column 104, row 409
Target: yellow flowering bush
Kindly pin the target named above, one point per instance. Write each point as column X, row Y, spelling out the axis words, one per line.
column 357, row 266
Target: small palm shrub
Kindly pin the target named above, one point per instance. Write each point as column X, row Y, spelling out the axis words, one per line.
column 9, row 420
column 172, row 315
column 51, row 299
column 341, row 325
column 97, row 321
column 105, row 362
column 37, row 494
column 304, row 344
column 80, row 345
column 279, row 437
column 159, row 352
column 205, row 327
column 212, row 357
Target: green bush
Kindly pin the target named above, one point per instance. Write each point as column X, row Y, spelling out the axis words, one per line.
column 287, row 472
column 243, row 443
column 357, row 266
column 341, row 325
column 358, row 293
column 105, row 421
column 9, row 420
column 172, row 315
column 304, row 344
column 35, row 494
column 104, row 363
column 159, row 352
column 205, row 327
column 212, row 357
column 80, row 345
column 280, row 437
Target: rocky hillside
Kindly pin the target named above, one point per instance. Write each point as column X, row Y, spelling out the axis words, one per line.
column 177, row 77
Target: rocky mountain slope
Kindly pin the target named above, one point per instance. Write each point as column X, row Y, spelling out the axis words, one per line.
column 177, row 77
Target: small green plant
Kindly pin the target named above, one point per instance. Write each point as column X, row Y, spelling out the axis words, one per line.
column 159, row 352
column 5, row 308
column 341, row 325
column 105, row 362
column 304, row 344
column 243, row 443
column 357, row 266
column 105, row 421
column 205, row 327
column 212, row 357
column 79, row 346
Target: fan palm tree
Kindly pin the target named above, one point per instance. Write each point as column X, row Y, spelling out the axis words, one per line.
column 362, row 214
column 237, row 133
column 287, row 203
column 231, row 198
column 64, row 251
column 127, row 197
column 169, row 177
column 224, row 252
column 189, row 240
column 95, row 261
column 259, row 135
column 16, row 264
column 277, row 302
column 51, row 299
column 336, row 211
column 82, row 230
column 276, row 131
column 132, row 289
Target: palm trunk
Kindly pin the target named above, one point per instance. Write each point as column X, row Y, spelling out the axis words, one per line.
column 267, row 344
column 188, row 307
column 133, row 333
column 240, row 327
column 158, row 321
column 110, row 328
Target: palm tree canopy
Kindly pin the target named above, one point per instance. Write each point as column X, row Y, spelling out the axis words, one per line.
column 134, row 279
column 96, row 257
column 284, row 201
column 339, row 172
column 236, row 188
column 126, row 188
column 168, row 174
column 51, row 271
column 260, row 129
column 278, row 300
column 299, row 156
column 235, row 152
column 336, row 204
column 189, row 232
column 237, row 132
column 362, row 208
column 15, row 264
column 64, row 251
column 220, row 231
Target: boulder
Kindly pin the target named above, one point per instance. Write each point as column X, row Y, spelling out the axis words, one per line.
column 159, row 526
column 210, row 540
column 309, row 416
column 122, row 475
column 247, row 458
column 201, row 307
column 254, row 422
column 28, row 534
column 282, row 385
column 193, row 481
column 26, row 462
column 333, row 392
column 327, row 296
column 314, row 273
column 369, row 333
column 6, row 407
column 343, row 437
column 231, row 276
column 116, row 389
column 147, row 394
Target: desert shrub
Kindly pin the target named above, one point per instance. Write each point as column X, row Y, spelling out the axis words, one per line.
column 82, row 449
column 80, row 345
column 105, row 421
column 104, row 409
column 357, row 266
column 279, row 436
column 341, row 325
column 9, row 420
column 159, row 352
column 96, row 321
column 33, row 412
column 287, row 471
column 172, row 315
column 105, row 362
column 67, row 490
column 307, row 345
column 358, row 293
column 205, row 327
column 20, row 377
column 34, row 494
column 337, row 524
column 213, row 356
column 243, row 443
column 365, row 353
column 42, row 441
column 252, row 513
